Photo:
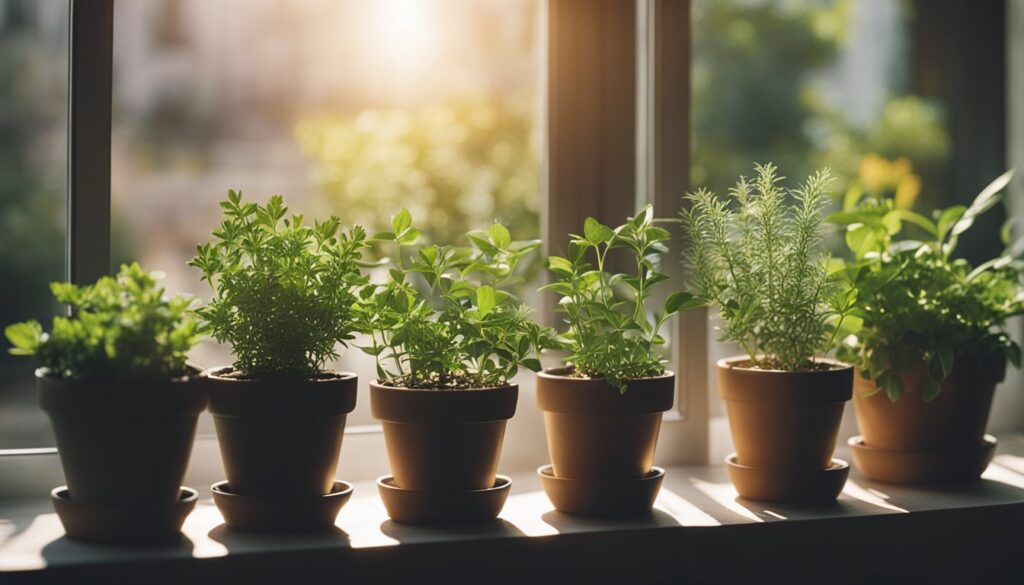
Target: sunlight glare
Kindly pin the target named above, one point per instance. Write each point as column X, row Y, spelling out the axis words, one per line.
column 406, row 32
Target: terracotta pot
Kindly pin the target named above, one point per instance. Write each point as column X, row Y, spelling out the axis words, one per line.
column 956, row 417
column 443, row 440
column 123, row 442
column 280, row 438
column 784, row 420
column 596, row 432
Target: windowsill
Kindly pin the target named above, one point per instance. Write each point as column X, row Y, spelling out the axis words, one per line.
column 699, row 525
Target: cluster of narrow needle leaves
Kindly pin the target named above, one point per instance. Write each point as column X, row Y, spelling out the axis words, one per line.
column 756, row 255
column 121, row 328
column 283, row 291
column 445, row 319
column 612, row 332
column 916, row 303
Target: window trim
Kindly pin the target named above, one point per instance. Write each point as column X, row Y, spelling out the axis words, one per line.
column 610, row 146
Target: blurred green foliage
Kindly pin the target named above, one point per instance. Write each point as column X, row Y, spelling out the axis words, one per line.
column 757, row 96
column 461, row 165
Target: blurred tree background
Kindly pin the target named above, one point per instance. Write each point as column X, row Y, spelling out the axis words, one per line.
column 457, row 166
column 772, row 81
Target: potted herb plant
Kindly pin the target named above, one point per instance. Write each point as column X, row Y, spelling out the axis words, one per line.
column 929, row 339
column 448, row 337
column 123, row 404
column 758, row 259
column 602, row 411
column 283, row 298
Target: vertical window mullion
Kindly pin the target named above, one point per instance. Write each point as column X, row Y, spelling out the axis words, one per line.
column 90, row 74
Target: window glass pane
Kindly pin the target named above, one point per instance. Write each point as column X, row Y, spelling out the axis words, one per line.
column 812, row 83
column 351, row 108
column 33, row 143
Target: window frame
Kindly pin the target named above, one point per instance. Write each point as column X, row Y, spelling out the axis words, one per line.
column 621, row 142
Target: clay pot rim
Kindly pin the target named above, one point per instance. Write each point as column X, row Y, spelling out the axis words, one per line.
column 987, row 440
column 185, row 496
column 387, row 482
column 727, row 364
column 551, row 374
column 217, row 373
column 835, row 465
column 376, row 382
column 547, row 471
column 192, row 372
column 346, row 489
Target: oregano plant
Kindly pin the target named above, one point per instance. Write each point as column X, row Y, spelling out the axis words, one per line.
column 612, row 330
column 445, row 318
column 916, row 302
column 284, row 291
column 121, row 328
column 757, row 255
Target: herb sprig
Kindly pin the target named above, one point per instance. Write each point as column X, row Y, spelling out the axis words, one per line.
column 284, row 291
column 758, row 258
column 611, row 331
column 445, row 319
column 916, row 302
column 120, row 328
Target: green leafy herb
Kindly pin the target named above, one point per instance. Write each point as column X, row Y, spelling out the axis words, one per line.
column 121, row 328
column 608, row 334
column 284, row 291
column 761, row 264
column 915, row 302
column 459, row 328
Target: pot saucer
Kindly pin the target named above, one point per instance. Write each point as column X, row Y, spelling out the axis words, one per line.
column 948, row 465
column 122, row 523
column 443, row 507
column 788, row 485
column 285, row 514
column 602, row 498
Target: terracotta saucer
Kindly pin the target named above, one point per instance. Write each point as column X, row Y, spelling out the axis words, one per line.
column 950, row 465
column 788, row 485
column 286, row 514
column 434, row 507
column 122, row 523
column 603, row 498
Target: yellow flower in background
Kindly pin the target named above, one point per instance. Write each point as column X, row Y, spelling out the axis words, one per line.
column 880, row 177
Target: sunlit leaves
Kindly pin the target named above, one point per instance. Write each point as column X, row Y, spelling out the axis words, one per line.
column 455, row 327
column 757, row 256
column 922, row 308
column 284, row 291
column 122, row 328
column 612, row 332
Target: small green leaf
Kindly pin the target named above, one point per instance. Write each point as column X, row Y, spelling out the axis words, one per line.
column 500, row 236
column 485, row 300
column 929, row 389
column 25, row 337
column 560, row 266
column 941, row 364
column 892, row 383
column 409, row 236
column 681, row 301
column 401, row 221
column 596, row 232
column 532, row 364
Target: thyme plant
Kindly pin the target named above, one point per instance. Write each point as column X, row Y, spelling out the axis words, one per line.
column 757, row 256
column 445, row 319
column 916, row 302
column 611, row 330
column 120, row 328
column 283, row 291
